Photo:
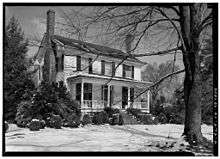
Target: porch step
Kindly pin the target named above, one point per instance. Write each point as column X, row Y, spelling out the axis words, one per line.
column 129, row 119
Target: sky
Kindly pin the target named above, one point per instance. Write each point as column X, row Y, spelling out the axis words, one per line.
column 33, row 18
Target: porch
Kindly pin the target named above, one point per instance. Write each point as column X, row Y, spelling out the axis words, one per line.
column 94, row 94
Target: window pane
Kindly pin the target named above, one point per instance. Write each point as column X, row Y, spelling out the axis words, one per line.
column 96, row 67
column 127, row 71
column 85, row 65
column 108, row 68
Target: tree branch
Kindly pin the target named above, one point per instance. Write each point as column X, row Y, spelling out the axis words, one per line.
column 157, row 53
column 159, row 81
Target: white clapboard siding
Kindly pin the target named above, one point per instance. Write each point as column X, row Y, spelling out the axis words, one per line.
column 70, row 62
column 137, row 73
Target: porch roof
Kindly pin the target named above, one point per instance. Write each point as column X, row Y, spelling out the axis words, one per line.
column 100, row 79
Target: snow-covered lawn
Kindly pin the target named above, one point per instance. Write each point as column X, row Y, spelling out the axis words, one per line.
column 100, row 138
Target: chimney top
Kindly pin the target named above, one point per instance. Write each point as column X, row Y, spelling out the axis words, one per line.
column 50, row 22
column 50, row 11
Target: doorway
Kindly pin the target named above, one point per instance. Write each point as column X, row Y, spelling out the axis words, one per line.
column 124, row 97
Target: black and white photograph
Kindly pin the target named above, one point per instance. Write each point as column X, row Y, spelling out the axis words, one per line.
column 108, row 79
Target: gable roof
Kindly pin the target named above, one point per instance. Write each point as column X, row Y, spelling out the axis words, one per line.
column 93, row 48
column 41, row 50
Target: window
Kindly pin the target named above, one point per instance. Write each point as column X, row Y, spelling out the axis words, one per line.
column 127, row 71
column 85, row 64
column 108, row 68
column 87, row 91
column 96, row 67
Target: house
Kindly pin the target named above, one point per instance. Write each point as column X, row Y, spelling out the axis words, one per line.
column 96, row 76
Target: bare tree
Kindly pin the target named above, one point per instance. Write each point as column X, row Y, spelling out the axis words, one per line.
column 175, row 29
column 154, row 72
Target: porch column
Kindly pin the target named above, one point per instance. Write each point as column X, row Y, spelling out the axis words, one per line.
column 148, row 101
column 129, row 97
column 108, row 103
column 82, row 94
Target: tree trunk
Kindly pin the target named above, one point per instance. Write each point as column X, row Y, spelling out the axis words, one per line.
column 190, row 20
column 192, row 95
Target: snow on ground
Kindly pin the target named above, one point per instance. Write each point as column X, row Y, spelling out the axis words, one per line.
column 100, row 138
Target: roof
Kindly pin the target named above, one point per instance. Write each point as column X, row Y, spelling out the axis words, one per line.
column 41, row 51
column 94, row 48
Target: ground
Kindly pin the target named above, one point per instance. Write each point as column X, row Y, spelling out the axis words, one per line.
column 166, row 137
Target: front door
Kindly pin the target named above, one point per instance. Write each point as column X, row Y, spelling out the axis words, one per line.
column 104, row 94
column 124, row 97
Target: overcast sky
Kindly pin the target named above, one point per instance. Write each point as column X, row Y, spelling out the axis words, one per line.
column 32, row 20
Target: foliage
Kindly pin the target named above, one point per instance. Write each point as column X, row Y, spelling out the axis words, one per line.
column 86, row 119
column 133, row 111
column 100, row 118
column 36, row 124
column 24, row 113
column 73, row 121
column 147, row 119
column 121, row 121
column 110, row 111
column 48, row 99
column 144, row 118
column 54, row 121
column 17, row 82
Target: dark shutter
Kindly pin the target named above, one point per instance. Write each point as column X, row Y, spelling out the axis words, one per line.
column 78, row 92
column 103, row 67
column 132, row 72
column 78, row 63
column 62, row 62
column 123, row 71
column 57, row 63
column 90, row 65
column 132, row 95
column 113, row 68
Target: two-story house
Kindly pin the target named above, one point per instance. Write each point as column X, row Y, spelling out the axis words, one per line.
column 96, row 76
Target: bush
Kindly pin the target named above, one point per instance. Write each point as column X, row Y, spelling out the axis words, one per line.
column 110, row 111
column 134, row 112
column 162, row 118
column 147, row 119
column 36, row 125
column 86, row 119
column 54, row 121
column 24, row 113
column 121, row 121
column 100, row 118
column 73, row 121
column 116, row 119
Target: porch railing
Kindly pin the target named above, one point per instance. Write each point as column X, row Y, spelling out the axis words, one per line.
column 99, row 105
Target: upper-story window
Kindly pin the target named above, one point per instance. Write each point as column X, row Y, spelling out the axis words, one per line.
column 128, row 71
column 108, row 68
column 85, row 64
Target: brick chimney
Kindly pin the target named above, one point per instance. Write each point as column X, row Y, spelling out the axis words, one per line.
column 50, row 22
column 128, row 42
column 49, row 68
